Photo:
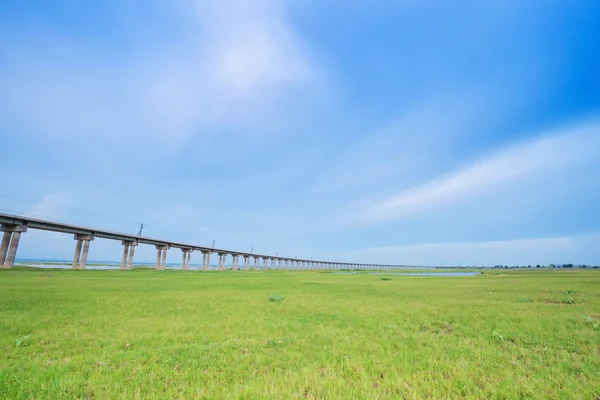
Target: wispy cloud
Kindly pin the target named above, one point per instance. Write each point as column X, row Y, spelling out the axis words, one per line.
column 52, row 205
column 231, row 62
column 202, row 229
column 251, row 45
column 547, row 155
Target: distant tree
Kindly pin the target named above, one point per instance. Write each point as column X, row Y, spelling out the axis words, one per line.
column 538, row 266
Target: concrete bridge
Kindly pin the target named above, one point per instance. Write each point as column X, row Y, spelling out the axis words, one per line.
column 14, row 226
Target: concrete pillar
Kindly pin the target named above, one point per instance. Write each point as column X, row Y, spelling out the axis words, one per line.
column 159, row 250
column 77, row 254
column 81, row 250
column 164, row 258
column 184, row 256
column 185, row 259
column 125, row 254
column 256, row 263
column 222, row 257
column 10, row 243
column 189, row 259
column 234, row 261
column 131, row 253
column 4, row 246
column 265, row 263
column 12, row 250
column 205, row 259
column 84, row 253
column 246, row 263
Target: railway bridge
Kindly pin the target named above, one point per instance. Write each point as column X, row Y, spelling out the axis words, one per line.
column 14, row 226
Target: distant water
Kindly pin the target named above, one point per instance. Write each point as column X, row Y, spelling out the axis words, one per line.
column 99, row 265
column 429, row 273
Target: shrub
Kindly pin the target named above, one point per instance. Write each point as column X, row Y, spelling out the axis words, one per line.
column 275, row 297
column 525, row 300
column 569, row 300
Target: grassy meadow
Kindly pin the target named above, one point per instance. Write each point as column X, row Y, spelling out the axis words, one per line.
column 287, row 334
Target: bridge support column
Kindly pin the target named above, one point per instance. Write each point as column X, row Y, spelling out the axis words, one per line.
column 222, row 257
column 128, row 252
column 234, row 261
column 159, row 250
column 10, row 243
column 131, row 254
column 185, row 262
column 265, row 263
column 205, row 259
column 125, row 254
column 256, row 263
column 81, row 250
column 161, row 256
column 164, row 258
column 246, row 263
column 280, row 264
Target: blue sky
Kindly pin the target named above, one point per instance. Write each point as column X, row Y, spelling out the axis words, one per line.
column 382, row 131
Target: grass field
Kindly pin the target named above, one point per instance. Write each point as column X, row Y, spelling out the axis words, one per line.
column 281, row 335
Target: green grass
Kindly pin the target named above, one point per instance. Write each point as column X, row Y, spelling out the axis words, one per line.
column 173, row 334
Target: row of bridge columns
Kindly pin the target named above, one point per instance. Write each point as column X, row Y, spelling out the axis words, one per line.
column 12, row 234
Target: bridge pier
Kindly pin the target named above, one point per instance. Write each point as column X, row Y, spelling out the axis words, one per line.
column 222, row 257
column 10, row 243
column 205, row 259
column 131, row 254
column 235, row 262
column 256, row 263
column 246, row 263
column 128, row 252
column 125, row 254
column 81, row 254
column 186, row 257
column 161, row 256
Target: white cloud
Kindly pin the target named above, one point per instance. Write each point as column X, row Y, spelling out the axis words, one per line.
column 52, row 205
column 228, row 62
column 541, row 157
column 544, row 251
column 251, row 45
